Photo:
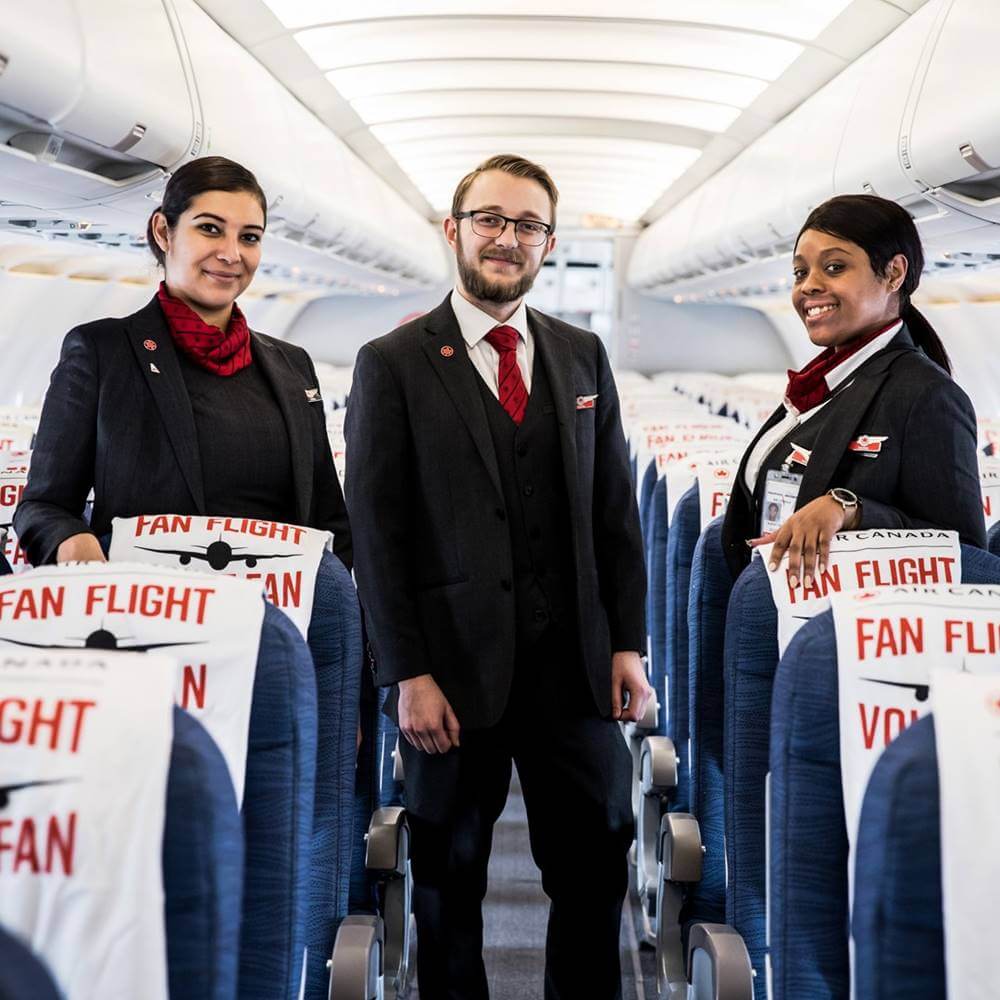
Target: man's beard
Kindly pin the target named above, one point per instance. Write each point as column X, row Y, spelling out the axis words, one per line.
column 480, row 287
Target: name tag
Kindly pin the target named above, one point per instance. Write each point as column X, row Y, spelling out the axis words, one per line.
column 780, row 495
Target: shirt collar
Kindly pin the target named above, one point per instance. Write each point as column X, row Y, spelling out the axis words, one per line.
column 475, row 324
column 855, row 361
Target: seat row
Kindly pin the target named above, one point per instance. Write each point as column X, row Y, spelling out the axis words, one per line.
column 743, row 853
column 282, row 876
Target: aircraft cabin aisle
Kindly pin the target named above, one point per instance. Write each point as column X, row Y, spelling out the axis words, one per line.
column 311, row 650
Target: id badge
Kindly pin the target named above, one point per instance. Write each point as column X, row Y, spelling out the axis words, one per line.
column 780, row 494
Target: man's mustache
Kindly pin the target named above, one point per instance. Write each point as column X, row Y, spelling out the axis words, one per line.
column 513, row 258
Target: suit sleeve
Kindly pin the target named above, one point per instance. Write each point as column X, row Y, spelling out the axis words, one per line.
column 378, row 488
column 61, row 474
column 329, row 508
column 621, row 567
column 939, row 472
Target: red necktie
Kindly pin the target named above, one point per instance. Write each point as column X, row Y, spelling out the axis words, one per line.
column 513, row 392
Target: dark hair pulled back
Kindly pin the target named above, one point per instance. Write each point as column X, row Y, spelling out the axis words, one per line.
column 207, row 173
column 883, row 229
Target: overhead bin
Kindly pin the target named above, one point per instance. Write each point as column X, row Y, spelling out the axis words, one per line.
column 320, row 194
column 950, row 141
column 83, row 113
column 889, row 124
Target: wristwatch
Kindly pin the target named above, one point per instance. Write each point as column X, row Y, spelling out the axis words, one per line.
column 848, row 500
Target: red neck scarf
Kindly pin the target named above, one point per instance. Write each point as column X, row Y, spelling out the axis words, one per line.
column 808, row 388
column 223, row 353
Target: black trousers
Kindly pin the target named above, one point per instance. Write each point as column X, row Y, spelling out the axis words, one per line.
column 575, row 774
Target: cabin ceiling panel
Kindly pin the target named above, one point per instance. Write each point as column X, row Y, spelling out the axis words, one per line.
column 630, row 104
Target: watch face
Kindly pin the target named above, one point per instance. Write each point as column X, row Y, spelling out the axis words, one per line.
column 843, row 496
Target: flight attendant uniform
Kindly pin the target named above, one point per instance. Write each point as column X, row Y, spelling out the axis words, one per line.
column 878, row 418
column 161, row 413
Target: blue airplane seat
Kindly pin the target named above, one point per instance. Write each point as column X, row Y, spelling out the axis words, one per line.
column 807, row 893
column 5, row 569
column 993, row 539
column 202, row 868
column 649, row 477
column 681, row 544
column 656, row 575
column 335, row 643
column 898, row 907
column 751, row 658
column 278, row 813
column 711, row 584
column 23, row 974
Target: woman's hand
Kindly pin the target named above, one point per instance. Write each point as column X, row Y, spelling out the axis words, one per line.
column 80, row 548
column 806, row 536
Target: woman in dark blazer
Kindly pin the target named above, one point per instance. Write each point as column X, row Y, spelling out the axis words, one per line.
column 180, row 408
column 873, row 432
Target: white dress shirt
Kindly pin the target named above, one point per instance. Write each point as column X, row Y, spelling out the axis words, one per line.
column 475, row 324
column 792, row 417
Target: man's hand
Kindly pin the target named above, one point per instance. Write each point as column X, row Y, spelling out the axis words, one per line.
column 425, row 717
column 630, row 691
column 80, row 548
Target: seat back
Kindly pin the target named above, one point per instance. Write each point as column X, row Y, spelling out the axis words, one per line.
column 335, row 644
column 671, row 682
column 711, row 583
column 656, row 574
column 751, row 658
column 23, row 974
column 278, row 813
column 993, row 539
column 202, row 867
column 807, row 900
column 897, row 923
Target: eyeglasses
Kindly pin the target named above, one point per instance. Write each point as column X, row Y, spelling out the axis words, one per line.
column 491, row 226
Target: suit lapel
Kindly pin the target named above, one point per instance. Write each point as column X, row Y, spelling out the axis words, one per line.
column 289, row 390
column 446, row 351
column 841, row 425
column 166, row 384
column 553, row 349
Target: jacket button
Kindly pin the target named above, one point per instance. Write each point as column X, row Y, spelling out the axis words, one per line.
column 540, row 614
column 505, row 584
column 501, row 514
column 528, row 490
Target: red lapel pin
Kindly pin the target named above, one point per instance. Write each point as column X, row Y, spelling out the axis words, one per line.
column 150, row 345
column 447, row 351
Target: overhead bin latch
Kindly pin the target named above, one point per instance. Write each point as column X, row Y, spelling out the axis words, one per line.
column 974, row 160
column 135, row 134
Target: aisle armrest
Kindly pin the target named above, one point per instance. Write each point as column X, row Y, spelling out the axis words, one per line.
column 356, row 963
column 719, row 964
column 657, row 780
column 680, row 860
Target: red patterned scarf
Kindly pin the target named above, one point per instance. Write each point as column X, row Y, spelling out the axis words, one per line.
column 224, row 353
column 808, row 388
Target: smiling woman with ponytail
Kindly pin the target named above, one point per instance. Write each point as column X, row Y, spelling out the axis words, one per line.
column 873, row 432
column 180, row 408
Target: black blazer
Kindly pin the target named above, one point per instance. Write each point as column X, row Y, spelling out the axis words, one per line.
column 927, row 474
column 431, row 544
column 111, row 423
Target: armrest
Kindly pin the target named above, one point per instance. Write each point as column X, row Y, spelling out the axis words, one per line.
column 657, row 766
column 657, row 778
column 356, row 964
column 718, row 963
column 680, row 854
column 647, row 724
column 388, row 842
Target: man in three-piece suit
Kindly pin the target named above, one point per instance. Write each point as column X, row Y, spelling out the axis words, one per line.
column 499, row 562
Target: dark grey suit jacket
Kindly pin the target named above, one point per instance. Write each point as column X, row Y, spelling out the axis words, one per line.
column 431, row 544
column 927, row 474
column 111, row 423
